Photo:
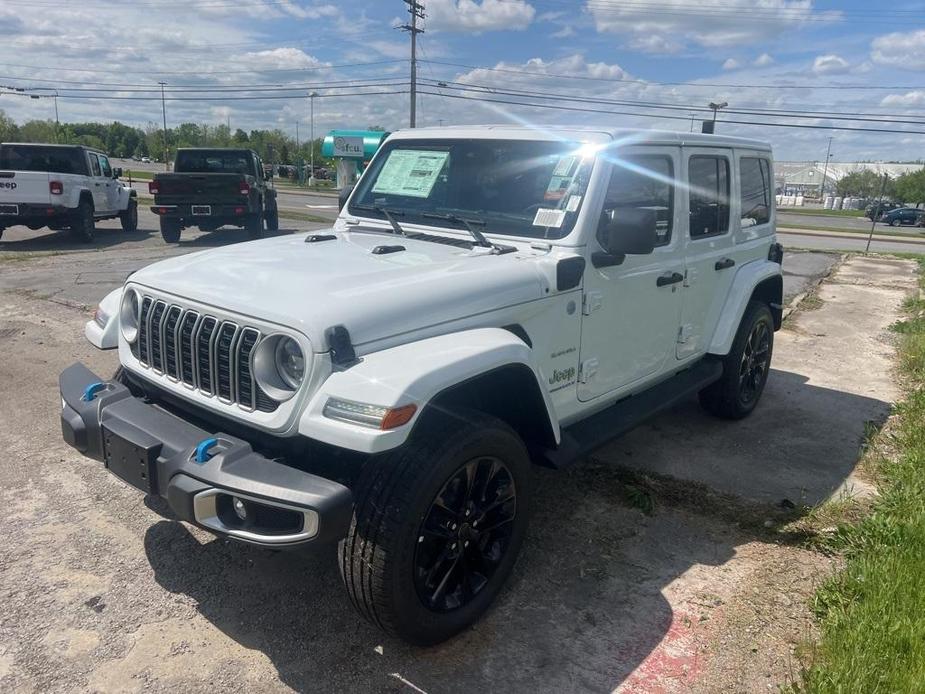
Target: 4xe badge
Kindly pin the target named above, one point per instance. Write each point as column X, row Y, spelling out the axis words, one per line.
column 9, row 185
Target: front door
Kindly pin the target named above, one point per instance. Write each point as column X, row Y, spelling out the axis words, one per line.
column 97, row 185
column 111, row 185
column 711, row 261
column 631, row 310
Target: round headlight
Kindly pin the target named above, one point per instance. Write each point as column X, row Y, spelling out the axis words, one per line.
column 279, row 366
column 289, row 362
column 128, row 315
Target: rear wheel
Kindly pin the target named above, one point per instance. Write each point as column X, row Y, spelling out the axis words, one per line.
column 272, row 217
column 83, row 224
column 745, row 368
column 437, row 527
column 170, row 230
column 254, row 224
column 129, row 218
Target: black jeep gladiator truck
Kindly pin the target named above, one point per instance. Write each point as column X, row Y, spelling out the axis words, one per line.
column 212, row 187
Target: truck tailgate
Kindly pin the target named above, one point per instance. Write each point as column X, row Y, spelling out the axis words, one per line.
column 210, row 188
column 24, row 187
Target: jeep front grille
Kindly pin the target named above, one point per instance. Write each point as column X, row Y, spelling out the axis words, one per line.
column 200, row 351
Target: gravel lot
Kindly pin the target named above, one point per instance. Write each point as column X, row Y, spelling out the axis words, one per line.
column 103, row 592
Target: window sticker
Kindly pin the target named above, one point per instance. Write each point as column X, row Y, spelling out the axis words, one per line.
column 565, row 166
column 557, row 188
column 410, row 172
column 549, row 217
column 573, row 202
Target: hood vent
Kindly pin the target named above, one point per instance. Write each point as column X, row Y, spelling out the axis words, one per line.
column 384, row 250
column 315, row 238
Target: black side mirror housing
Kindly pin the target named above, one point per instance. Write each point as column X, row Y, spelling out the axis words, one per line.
column 117, row 173
column 629, row 231
column 344, row 195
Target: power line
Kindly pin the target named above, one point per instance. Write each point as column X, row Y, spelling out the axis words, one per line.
column 58, row 68
column 684, row 118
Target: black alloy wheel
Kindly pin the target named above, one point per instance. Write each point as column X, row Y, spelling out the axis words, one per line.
column 465, row 534
column 756, row 359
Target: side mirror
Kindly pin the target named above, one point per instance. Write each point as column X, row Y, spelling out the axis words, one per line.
column 267, row 175
column 344, row 195
column 629, row 231
column 117, row 173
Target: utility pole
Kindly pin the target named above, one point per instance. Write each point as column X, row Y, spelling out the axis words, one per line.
column 164, row 112
column 825, row 169
column 311, row 149
column 416, row 10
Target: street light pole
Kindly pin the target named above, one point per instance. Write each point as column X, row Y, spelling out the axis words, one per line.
column 825, row 169
column 164, row 112
column 311, row 150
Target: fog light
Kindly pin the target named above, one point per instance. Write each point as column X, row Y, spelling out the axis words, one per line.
column 240, row 509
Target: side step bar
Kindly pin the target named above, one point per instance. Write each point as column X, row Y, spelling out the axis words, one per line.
column 583, row 437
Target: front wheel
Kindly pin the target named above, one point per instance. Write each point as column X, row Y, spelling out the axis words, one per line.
column 895, row 222
column 745, row 368
column 129, row 217
column 437, row 527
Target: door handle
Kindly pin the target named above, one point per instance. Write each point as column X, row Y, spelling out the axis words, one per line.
column 724, row 263
column 669, row 278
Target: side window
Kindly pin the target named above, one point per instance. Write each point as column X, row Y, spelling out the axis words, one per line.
column 755, row 186
column 95, row 165
column 104, row 164
column 709, row 190
column 643, row 182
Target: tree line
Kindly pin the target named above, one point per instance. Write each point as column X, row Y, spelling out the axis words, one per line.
column 120, row 140
column 908, row 188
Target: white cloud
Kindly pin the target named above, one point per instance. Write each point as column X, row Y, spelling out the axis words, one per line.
column 707, row 23
column 830, row 64
column 655, row 43
column 904, row 49
column 281, row 59
column 763, row 60
column 564, row 32
column 907, row 100
column 474, row 17
column 731, row 64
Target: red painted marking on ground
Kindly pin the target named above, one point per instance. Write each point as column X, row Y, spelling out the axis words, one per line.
column 675, row 661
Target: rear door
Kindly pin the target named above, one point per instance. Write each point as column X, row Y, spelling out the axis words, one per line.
column 709, row 253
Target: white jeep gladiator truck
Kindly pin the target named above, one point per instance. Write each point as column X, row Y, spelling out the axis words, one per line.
column 489, row 298
column 62, row 187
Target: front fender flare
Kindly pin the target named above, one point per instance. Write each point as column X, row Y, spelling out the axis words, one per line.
column 106, row 336
column 414, row 373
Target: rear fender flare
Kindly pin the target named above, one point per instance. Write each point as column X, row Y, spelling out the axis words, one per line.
column 763, row 276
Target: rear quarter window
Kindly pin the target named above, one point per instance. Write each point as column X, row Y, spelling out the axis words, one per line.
column 48, row 159
column 755, row 190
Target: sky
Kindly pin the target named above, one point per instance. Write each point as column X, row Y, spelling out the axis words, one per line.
column 615, row 63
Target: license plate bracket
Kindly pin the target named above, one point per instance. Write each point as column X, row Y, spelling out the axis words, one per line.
column 131, row 455
column 9, row 209
column 203, row 210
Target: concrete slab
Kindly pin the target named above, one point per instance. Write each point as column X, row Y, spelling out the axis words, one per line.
column 831, row 376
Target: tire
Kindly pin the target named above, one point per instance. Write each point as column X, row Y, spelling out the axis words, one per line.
column 272, row 218
column 895, row 222
column 170, row 230
column 83, row 225
column 745, row 368
column 254, row 224
column 129, row 218
column 400, row 541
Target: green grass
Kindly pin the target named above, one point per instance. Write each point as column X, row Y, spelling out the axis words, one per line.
column 873, row 612
column 138, row 175
column 820, row 212
column 879, row 230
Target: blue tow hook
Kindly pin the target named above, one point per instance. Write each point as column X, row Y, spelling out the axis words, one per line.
column 91, row 390
column 202, row 450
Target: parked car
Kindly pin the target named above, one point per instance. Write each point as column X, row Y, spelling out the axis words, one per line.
column 145, row 160
column 488, row 299
column 903, row 216
column 212, row 187
column 875, row 210
column 62, row 187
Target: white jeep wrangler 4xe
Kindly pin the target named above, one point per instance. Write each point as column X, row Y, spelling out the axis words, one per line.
column 62, row 187
column 489, row 298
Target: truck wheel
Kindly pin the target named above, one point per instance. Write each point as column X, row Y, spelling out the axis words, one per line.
column 129, row 217
column 254, row 224
column 272, row 218
column 437, row 527
column 745, row 368
column 170, row 230
column 83, row 224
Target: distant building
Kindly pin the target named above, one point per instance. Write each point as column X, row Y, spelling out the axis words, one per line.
column 805, row 177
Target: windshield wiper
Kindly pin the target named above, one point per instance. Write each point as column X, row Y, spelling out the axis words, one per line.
column 470, row 225
column 388, row 214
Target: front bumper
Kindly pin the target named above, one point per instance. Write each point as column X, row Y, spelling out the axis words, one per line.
column 202, row 475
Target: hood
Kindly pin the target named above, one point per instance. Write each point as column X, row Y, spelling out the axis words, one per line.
column 314, row 286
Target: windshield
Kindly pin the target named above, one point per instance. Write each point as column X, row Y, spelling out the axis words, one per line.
column 212, row 161
column 512, row 187
column 65, row 160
